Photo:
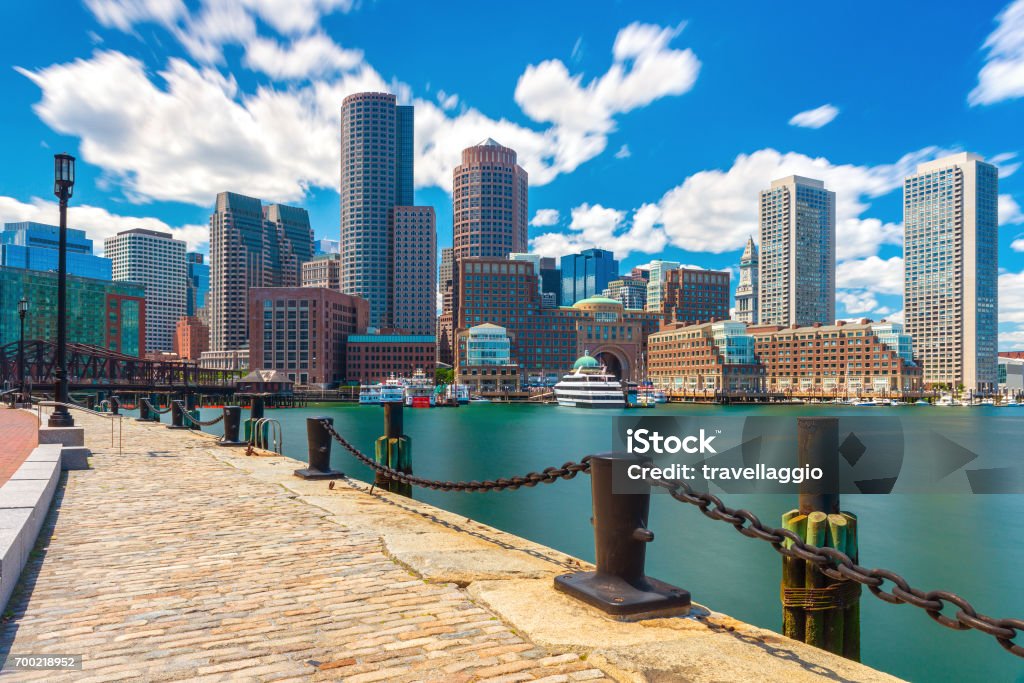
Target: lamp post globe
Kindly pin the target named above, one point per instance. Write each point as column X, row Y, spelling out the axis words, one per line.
column 63, row 187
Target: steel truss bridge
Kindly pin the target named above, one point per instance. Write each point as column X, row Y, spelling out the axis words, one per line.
column 93, row 368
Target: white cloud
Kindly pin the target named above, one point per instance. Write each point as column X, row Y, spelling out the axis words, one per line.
column 309, row 56
column 1006, row 163
column 878, row 275
column 1002, row 77
column 1009, row 211
column 815, row 118
column 857, row 301
column 1011, row 298
column 123, row 14
column 544, row 218
column 1017, row 244
column 97, row 222
column 623, row 152
column 447, row 101
column 277, row 143
column 598, row 226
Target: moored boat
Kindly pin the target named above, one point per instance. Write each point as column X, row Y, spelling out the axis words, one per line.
column 589, row 385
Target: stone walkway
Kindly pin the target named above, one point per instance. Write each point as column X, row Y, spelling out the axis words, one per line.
column 18, row 436
column 168, row 564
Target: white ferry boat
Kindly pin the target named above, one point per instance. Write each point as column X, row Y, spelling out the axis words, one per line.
column 369, row 394
column 459, row 392
column 392, row 391
column 589, row 385
column 419, row 391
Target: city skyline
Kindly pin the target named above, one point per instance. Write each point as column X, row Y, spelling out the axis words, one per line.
column 631, row 187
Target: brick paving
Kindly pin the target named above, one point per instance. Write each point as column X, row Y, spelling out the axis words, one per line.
column 169, row 564
column 18, row 436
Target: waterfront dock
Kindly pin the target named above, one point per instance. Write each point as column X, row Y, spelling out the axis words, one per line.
column 183, row 560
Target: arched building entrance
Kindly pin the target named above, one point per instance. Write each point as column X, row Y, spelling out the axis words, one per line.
column 614, row 360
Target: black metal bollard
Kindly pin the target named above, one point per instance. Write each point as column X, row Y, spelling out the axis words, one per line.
column 177, row 415
column 258, row 404
column 818, row 446
column 232, row 424
column 144, row 412
column 115, row 405
column 619, row 586
column 319, row 441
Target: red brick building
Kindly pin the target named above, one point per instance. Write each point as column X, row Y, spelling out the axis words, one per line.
column 705, row 359
column 191, row 337
column 373, row 358
column 693, row 295
column 301, row 331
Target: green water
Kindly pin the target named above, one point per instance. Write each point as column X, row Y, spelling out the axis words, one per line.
column 961, row 543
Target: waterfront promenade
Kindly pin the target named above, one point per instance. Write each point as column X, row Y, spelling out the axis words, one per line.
column 183, row 560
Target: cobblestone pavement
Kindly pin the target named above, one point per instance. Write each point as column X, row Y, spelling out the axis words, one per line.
column 169, row 564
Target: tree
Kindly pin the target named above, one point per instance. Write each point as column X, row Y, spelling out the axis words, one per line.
column 444, row 376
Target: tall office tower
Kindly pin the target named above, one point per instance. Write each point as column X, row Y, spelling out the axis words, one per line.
column 412, row 299
column 157, row 261
column 376, row 176
column 251, row 246
column 587, row 274
column 34, row 246
column 631, row 291
column 950, row 281
column 656, row 276
column 797, row 265
column 746, row 290
column 197, row 284
column 489, row 202
column 444, row 279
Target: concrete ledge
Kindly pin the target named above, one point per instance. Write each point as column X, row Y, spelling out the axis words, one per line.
column 24, row 503
column 75, row 453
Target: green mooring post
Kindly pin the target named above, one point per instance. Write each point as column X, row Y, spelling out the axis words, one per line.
column 394, row 450
column 816, row 609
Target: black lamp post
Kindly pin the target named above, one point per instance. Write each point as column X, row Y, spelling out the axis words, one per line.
column 22, row 312
column 63, row 185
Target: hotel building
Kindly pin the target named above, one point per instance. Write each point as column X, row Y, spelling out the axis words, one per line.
column 323, row 270
column 157, row 261
column 950, row 281
column 705, row 358
column 656, row 276
column 692, row 295
column 301, row 331
column 485, row 360
column 251, row 246
column 797, row 264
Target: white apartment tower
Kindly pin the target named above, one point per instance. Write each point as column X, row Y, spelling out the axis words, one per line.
column 797, row 264
column 950, row 281
column 156, row 260
column 656, row 283
column 746, row 290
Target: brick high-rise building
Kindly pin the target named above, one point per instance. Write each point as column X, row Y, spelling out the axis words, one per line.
column 302, row 331
column 251, row 246
column 950, row 281
column 692, row 295
column 156, row 260
column 489, row 202
column 797, row 263
column 191, row 338
column 376, row 177
column 412, row 301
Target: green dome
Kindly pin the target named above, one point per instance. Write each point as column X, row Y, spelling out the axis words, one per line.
column 585, row 361
column 597, row 300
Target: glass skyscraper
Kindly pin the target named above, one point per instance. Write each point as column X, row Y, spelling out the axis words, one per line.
column 33, row 246
column 587, row 274
column 797, row 263
column 198, row 285
column 950, row 252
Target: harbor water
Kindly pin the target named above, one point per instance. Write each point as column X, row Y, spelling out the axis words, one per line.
column 972, row 545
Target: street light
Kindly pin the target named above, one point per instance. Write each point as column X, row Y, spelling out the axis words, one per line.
column 63, row 186
column 22, row 312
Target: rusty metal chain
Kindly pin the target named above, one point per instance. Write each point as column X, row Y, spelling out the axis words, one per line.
column 831, row 562
column 840, row 567
column 154, row 408
column 208, row 423
column 548, row 476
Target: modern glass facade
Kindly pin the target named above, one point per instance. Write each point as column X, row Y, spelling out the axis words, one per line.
column 34, row 246
column 100, row 312
column 198, row 285
column 488, row 344
column 656, row 276
column 587, row 274
column 950, row 218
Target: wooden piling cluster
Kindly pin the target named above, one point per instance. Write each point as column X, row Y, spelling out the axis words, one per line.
column 393, row 450
column 818, row 610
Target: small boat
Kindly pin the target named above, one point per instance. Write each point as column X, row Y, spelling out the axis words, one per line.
column 646, row 401
column 881, row 402
column 1012, row 404
column 460, row 392
column 863, row 404
column 921, row 402
column 479, row 399
column 589, row 385
column 946, row 401
column 369, row 395
column 897, row 402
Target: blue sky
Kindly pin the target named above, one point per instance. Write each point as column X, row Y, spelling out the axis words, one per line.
column 647, row 128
